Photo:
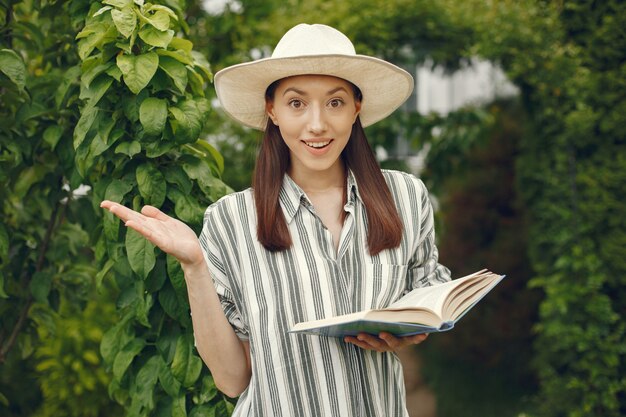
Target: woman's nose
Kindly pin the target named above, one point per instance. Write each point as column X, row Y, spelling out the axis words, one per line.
column 317, row 120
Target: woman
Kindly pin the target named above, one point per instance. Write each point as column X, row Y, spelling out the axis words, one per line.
column 322, row 232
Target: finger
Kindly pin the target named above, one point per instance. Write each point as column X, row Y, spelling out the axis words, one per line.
column 375, row 342
column 391, row 340
column 359, row 343
column 154, row 212
column 418, row 338
column 121, row 211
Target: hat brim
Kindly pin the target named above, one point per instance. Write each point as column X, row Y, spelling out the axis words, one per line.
column 241, row 88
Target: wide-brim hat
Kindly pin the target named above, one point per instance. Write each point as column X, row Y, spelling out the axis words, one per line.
column 312, row 49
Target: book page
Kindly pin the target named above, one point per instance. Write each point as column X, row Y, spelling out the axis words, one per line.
column 433, row 297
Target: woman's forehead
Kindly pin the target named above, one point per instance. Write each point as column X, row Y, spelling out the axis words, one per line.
column 314, row 81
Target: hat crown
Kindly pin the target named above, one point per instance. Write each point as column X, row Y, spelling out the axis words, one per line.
column 316, row 39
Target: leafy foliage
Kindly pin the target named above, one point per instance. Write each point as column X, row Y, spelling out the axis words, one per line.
column 116, row 116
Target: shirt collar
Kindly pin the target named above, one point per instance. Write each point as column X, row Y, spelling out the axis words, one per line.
column 292, row 197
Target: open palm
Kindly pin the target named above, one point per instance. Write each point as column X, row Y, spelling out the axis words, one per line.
column 169, row 234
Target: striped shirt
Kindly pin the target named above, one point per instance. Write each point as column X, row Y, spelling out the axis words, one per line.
column 263, row 294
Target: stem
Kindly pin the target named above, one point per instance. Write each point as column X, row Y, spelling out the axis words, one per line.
column 8, row 344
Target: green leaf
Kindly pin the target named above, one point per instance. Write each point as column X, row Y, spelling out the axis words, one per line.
column 182, row 44
column 186, row 366
column 131, row 148
column 51, row 135
column 103, row 271
column 40, row 286
column 201, row 62
column 3, row 294
column 70, row 78
column 174, row 174
column 179, row 55
column 140, row 253
column 186, row 207
column 96, row 89
column 178, row 406
column 153, row 115
column 4, row 242
column 125, row 356
column 115, row 192
column 12, row 65
column 125, row 20
column 146, row 380
column 176, row 71
column 160, row 19
column 151, row 183
column 114, row 338
column 3, row 400
column 203, row 411
column 170, row 384
column 187, row 123
column 87, row 117
column 94, row 35
column 176, row 276
column 155, row 37
column 27, row 178
column 138, row 70
column 102, row 10
column 207, row 392
column 118, row 3
column 169, row 301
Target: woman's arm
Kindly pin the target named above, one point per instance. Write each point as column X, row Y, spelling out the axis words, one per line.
column 225, row 354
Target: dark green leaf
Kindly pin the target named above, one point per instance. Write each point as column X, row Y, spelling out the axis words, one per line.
column 146, row 380
column 151, row 184
column 174, row 174
column 186, row 207
column 114, row 338
column 87, row 117
column 12, row 65
column 131, row 148
column 203, row 411
column 115, row 192
column 140, row 253
column 176, row 71
column 138, row 70
column 178, row 406
column 153, row 115
column 186, row 366
column 28, row 177
column 4, row 242
column 52, row 135
column 3, row 293
column 125, row 356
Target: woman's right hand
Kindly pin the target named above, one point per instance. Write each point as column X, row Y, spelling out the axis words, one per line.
column 169, row 234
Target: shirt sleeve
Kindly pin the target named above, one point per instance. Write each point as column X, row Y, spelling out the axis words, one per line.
column 215, row 255
column 424, row 267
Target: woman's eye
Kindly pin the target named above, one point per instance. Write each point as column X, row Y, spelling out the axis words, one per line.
column 296, row 104
column 336, row 102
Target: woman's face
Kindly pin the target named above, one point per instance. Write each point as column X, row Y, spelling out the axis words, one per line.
column 314, row 114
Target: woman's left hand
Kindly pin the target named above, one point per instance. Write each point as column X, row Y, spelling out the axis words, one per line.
column 385, row 342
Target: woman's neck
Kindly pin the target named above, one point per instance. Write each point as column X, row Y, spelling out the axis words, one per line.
column 320, row 181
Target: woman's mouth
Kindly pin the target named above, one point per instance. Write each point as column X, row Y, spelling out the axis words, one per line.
column 317, row 144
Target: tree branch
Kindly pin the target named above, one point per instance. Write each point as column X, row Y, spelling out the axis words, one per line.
column 8, row 345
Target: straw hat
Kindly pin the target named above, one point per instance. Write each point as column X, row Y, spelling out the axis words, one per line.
column 312, row 49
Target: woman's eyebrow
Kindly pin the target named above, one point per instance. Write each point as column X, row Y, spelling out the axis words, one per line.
column 295, row 90
column 303, row 93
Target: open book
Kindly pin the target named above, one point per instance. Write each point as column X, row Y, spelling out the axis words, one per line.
column 424, row 310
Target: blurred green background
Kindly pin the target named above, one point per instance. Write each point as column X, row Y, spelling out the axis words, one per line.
column 530, row 184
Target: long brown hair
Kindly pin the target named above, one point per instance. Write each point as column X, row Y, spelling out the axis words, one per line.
column 383, row 221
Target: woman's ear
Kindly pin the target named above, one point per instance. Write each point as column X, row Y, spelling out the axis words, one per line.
column 269, row 109
column 357, row 107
